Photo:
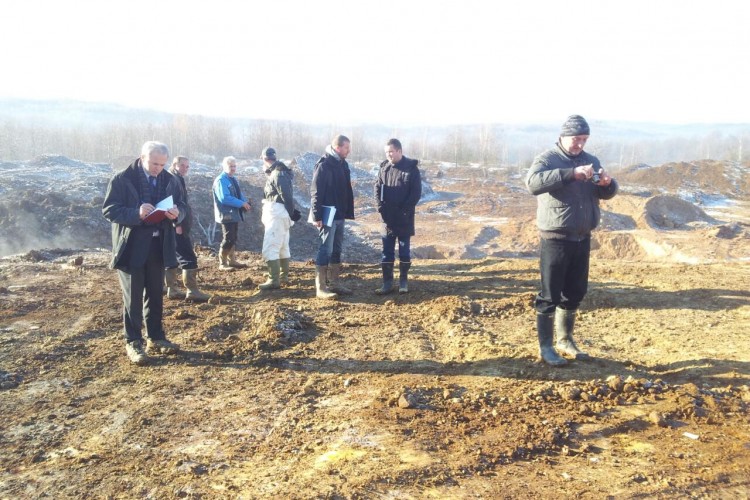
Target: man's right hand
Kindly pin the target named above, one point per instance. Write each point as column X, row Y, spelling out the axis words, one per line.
column 318, row 224
column 583, row 172
column 246, row 206
column 145, row 209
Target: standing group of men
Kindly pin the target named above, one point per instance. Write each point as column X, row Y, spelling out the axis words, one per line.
column 567, row 181
column 150, row 253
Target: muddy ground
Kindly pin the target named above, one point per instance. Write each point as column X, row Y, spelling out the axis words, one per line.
column 433, row 394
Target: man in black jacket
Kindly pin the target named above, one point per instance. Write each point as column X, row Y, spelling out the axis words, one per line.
column 141, row 248
column 568, row 184
column 398, row 189
column 331, row 191
column 186, row 258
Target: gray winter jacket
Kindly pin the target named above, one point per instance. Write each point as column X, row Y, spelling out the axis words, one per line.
column 566, row 208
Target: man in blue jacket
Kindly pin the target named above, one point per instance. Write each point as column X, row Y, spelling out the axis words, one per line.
column 142, row 249
column 568, row 184
column 331, row 186
column 397, row 190
column 229, row 209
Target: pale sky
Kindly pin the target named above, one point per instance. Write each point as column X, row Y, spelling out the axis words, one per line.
column 395, row 62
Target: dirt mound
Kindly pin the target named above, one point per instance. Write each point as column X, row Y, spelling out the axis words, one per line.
column 671, row 212
column 706, row 176
column 617, row 246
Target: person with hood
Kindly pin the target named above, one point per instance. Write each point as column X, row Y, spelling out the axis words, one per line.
column 331, row 193
column 278, row 215
column 186, row 258
column 143, row 245
column 568, row 183
column 397, row 190
column 229, row 209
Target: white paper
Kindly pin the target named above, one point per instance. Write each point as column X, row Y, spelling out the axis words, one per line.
column 166, row 204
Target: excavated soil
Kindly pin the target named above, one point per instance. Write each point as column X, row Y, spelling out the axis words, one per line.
column 433, row 394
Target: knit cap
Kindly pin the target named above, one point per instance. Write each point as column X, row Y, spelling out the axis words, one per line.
column 575, row 125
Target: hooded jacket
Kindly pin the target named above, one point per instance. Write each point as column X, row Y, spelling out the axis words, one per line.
column 566, row 208
column 131, row 238
column 332, row 186
column 398, row 190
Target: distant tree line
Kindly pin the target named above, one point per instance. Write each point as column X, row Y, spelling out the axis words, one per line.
column 209, row 139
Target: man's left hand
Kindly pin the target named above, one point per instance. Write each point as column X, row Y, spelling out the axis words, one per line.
column 604, row 179
column 173, row 213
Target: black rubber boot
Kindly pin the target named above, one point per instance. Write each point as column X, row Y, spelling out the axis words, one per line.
column 387, row 287
column 545, row 324
column 565, row 320
column 403, row 278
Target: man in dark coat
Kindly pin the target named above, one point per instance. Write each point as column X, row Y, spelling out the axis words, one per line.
column 331, row 191
column 568, row 184
column 142, row 248
column 398, row 190
column 186, row 258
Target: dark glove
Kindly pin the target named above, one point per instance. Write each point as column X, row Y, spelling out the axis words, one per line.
column 296, row 215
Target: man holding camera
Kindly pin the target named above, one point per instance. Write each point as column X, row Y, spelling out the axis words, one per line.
column 277, row 216
column 568, row 184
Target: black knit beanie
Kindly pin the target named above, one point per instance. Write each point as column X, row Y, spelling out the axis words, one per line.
column 575, row 125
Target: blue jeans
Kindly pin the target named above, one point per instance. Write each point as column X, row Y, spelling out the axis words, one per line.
column 389, row 249
column 331, row 241
column 564, row 267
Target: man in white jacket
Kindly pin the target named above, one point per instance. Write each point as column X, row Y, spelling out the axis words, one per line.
column 278, row 216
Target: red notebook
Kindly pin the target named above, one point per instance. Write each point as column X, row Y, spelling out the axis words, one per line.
column 160, row 211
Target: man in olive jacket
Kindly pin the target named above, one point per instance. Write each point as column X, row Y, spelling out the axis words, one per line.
column 397, row 190
column 568, row 184
column 142, row 249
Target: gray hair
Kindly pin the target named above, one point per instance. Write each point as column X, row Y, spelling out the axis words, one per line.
column 154, row 147
column 227, row 160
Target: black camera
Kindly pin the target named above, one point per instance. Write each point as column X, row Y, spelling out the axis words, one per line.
column 596, row 176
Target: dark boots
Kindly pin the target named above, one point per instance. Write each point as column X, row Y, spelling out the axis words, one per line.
column 564, row 322
column 545, row 324
column 387, row 279
column 403, row 279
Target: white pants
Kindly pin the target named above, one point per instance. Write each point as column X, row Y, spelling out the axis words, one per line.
column 276, row 236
